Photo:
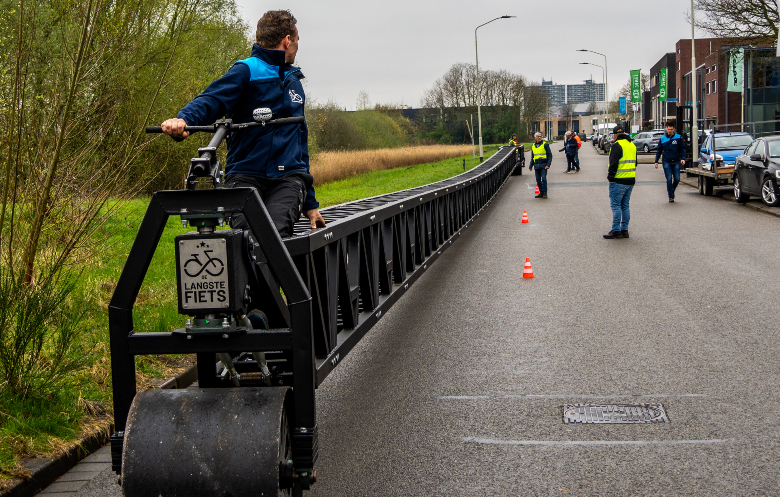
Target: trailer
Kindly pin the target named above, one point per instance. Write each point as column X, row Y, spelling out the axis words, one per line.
column 708, row 180
column 250, row 426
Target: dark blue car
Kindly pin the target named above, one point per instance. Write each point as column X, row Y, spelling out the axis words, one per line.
column 728, row 146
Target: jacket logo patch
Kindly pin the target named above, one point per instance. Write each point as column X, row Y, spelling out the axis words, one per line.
column 295, row 97
column 674, row 142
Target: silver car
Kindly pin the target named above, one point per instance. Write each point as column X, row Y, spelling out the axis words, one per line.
column 647, row 140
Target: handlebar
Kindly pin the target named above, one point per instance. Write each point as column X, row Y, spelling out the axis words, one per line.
column 282, row 121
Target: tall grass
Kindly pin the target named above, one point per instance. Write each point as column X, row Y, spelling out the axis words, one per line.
column 334, row 166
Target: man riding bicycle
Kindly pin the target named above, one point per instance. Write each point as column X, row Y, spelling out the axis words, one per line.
column 273, row 160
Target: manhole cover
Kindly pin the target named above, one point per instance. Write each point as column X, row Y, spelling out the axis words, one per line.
column 614, row 413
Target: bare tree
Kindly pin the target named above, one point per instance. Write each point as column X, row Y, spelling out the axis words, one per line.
column 363, row 102
column 749, row 20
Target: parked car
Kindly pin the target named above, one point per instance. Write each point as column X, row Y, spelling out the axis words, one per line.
column 728, row 146
column 757, row 171
column 588, row 137
column 647, row 140
column 606, row 142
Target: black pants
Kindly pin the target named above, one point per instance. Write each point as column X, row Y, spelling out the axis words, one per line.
column 283, row 198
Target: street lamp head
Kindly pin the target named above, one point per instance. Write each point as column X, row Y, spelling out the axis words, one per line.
column 507, row 17
column 582, row 50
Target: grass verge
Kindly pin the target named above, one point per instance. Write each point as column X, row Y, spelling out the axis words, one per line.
column 44, row 426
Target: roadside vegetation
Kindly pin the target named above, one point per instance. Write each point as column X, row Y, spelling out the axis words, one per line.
column 327, row 167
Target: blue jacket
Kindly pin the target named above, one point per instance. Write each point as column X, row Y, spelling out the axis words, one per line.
column 262, row 80
column 673, row 148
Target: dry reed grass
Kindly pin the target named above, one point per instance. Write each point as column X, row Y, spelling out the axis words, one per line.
column 334, row 166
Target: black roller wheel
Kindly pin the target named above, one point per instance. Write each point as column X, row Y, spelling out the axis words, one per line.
column 709, row 186
column 213, row 441
column 769, row 192
column 739, row 195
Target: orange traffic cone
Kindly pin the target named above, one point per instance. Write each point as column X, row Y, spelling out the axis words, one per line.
column 528, row 271
column 537, row 190
column 525, row 217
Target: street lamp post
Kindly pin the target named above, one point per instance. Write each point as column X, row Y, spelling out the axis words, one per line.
column 479, row 83
column 606, row 79
column 695, row 92
column 603, row 78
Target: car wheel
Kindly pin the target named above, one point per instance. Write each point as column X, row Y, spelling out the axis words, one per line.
column 769, row 193
column 646, row 148
column 739, row 195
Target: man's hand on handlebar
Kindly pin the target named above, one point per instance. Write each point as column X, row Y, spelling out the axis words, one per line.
column 315, row 218
column 175, row 128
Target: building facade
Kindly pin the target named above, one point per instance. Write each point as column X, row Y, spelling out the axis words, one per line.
column 556, row 94
column 660, row 111
column 589, row 91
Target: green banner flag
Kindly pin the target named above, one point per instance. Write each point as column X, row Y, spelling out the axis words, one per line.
column 636, row 86
column 662, row 85
column 734, row 76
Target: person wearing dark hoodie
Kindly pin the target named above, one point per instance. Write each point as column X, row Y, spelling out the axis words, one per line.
column 570, row 145
column 622, row 177
column 672, row 146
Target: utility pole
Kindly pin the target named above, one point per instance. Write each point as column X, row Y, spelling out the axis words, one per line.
column 695, row 91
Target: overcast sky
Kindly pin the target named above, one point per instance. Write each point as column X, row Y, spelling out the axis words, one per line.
column 395, row 49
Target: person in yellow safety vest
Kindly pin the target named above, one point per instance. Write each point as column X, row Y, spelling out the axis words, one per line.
column 622, row 177
column 541, row 158
column 513, row 141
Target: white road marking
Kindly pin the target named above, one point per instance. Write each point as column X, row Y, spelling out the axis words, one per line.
column 565, row 397
column 490, row 441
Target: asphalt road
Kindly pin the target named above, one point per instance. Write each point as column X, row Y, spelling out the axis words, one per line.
column 459, row 389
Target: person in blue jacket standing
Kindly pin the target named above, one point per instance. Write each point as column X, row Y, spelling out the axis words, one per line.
column 275, row 159
column 672, row 146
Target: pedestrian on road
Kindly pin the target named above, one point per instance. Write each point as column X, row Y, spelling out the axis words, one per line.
column 570, row 148
column 541, row 158
column 577, row 152
column 621, row 177
column 513, row 141
column 672, row 146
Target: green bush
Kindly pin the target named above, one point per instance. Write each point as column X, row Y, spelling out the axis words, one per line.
column 333, row 129
column 39, row 335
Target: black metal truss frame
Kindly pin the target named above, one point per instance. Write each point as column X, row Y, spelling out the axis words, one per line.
column 338, row 281
column 374, row 249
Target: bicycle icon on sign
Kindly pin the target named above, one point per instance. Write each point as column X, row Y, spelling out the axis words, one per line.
column 212, row 262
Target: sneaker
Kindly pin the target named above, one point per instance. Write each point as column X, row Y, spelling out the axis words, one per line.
column 624, row 233
column 614, row 234
column 544, row 195
column 258, row 319
column 541, row 195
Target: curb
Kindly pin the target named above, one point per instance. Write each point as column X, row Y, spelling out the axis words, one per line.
column 729, row 197
column 44, row 471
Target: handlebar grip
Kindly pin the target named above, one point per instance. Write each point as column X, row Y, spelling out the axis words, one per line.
column 154, row 129
column 288, row 120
